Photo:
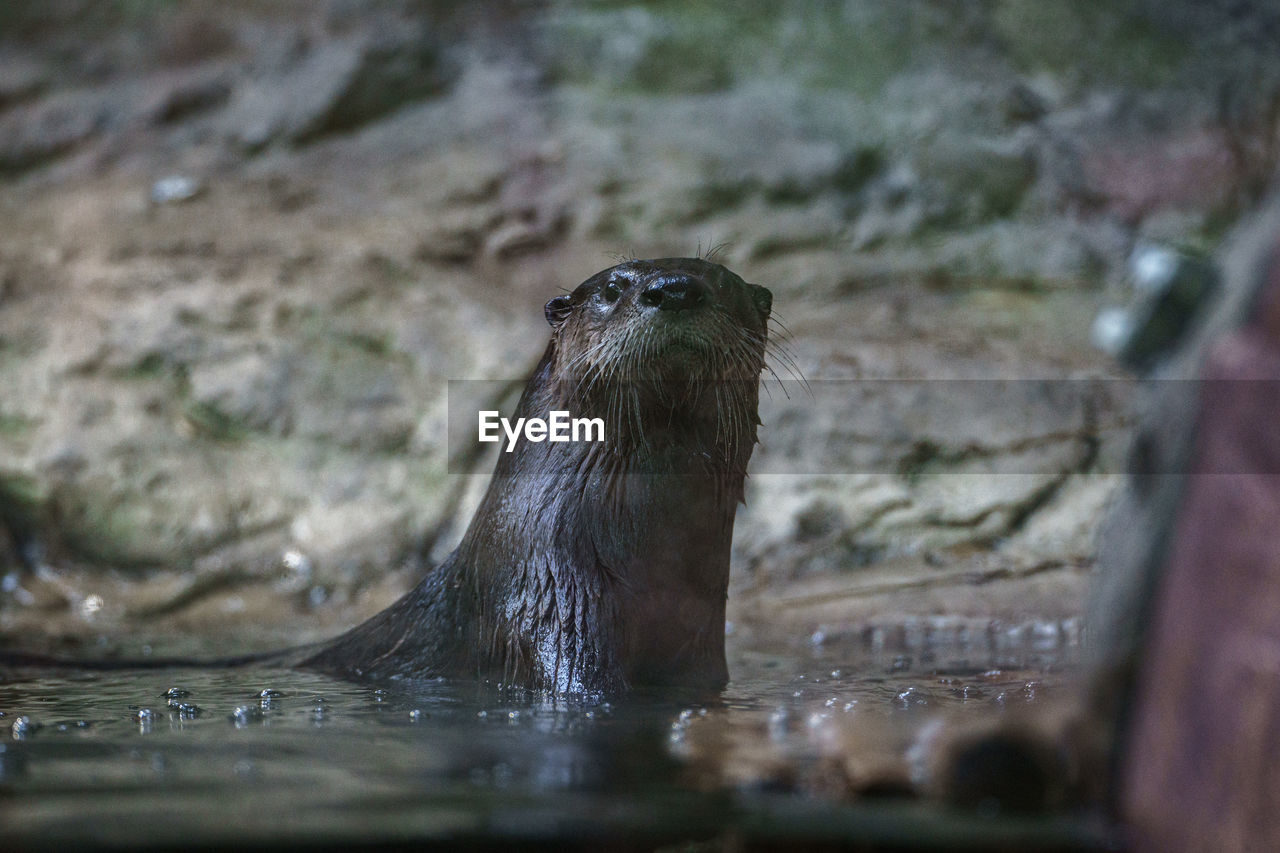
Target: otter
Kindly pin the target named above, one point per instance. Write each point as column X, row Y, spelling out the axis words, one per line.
column 595, row 567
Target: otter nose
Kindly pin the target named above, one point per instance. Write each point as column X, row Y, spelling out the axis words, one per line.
column 675, row 292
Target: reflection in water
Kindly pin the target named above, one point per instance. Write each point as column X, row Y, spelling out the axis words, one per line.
column 111, row 758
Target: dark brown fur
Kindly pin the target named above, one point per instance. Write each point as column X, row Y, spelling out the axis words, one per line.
column 598, row 566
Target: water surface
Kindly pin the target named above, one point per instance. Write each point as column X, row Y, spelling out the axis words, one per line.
column 268, row 756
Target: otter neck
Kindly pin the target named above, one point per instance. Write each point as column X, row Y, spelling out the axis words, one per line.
column 621, row 573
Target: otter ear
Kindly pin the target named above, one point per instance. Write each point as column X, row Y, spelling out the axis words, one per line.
column 762, row 298
column 558, row 310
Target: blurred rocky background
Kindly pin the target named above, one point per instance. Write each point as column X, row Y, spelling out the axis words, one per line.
column 245, row 245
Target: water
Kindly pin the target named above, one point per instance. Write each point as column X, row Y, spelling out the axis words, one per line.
column 269, row 756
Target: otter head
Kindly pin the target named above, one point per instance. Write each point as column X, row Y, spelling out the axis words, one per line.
column 670, row 318
column 651, row 343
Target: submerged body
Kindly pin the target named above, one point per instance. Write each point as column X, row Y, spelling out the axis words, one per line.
column 592, row 566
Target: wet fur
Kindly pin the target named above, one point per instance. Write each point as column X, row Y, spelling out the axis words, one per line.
column 594, row 567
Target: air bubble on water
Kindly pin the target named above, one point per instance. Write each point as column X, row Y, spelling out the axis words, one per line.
column 911, row 698
column 482, row 714
column 268, row 699
column 175, row 693
column 68, row 725
column 23, row 727
column 415, row 715
column 246, row 714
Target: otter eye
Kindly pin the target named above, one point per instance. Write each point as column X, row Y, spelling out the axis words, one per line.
column 611, row 291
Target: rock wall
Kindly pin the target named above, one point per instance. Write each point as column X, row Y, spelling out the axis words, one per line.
column 247, row 244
